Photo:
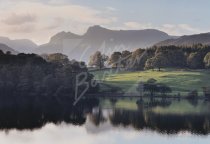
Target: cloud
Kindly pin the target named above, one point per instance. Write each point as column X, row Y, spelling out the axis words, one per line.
column 40, row 19
column 136, row 25
column 179, row 29
column 44, row 19
column 172, row 29
column 28, row 28
column 18, row 19
column 56, row 23
column 109, row 8
column 69, row 12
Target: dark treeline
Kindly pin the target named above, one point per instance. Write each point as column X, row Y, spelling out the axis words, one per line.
column 33, row 75
column 194, row 57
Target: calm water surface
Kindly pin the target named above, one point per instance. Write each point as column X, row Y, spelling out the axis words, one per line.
column 160, row 122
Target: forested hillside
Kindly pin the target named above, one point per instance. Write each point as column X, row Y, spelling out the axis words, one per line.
column 31, row 75
column 192, row 57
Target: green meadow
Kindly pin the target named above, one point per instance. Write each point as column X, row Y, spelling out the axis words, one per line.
column 180, row 80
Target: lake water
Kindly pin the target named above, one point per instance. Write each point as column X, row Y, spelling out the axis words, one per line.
column 160, row 122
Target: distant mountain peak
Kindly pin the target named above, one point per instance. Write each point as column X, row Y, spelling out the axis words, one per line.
column 96, row 27
column 5, row 49
column 98, row 38
column 62, row 36
column 20, row 45
column 96, row 30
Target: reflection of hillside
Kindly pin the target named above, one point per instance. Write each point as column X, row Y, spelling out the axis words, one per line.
column 35, row 114
column 127, row 117
column 156, row 115
column 198, row 124
column 163, row 123
column 169, row 123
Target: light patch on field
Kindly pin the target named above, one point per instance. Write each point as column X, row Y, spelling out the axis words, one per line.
column 181, row 81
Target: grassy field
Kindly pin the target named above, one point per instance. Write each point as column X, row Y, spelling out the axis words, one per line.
column 181, row 81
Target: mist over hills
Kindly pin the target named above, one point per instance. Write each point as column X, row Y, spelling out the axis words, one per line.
column 20, row 45
column 97, row 38
column 80, row 47
column 5, row 49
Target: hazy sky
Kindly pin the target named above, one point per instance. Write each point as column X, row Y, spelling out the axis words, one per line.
column 38, row 20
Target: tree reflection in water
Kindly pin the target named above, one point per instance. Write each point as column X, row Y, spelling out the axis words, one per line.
column 155, row 115
column 167, row 123
column 33, row 114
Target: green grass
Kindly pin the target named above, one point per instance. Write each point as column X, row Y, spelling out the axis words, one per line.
column 129, row 104
column 181, row 81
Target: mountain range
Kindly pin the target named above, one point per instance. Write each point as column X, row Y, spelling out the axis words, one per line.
column 20, row 45
column 107, row 41
column 5, row 49
column 97, row 38
column 203, row 38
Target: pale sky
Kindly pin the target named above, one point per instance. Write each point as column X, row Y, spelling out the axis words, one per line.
column 38, row 20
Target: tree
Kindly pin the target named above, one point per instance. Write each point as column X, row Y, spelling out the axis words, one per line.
column 124, row 58
column 138, row 59
column 98, row 60
column 31, row 75
column 207, row 60
column 56, row 58
column 1, row 52
column 174, row 56
column 166, row 56
column 151, row 87
column 149, row 64
column 115, row 59
column 158, row 61
column 8, row 53
column 164, row 89
column 195, row 60
column 162, row 56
